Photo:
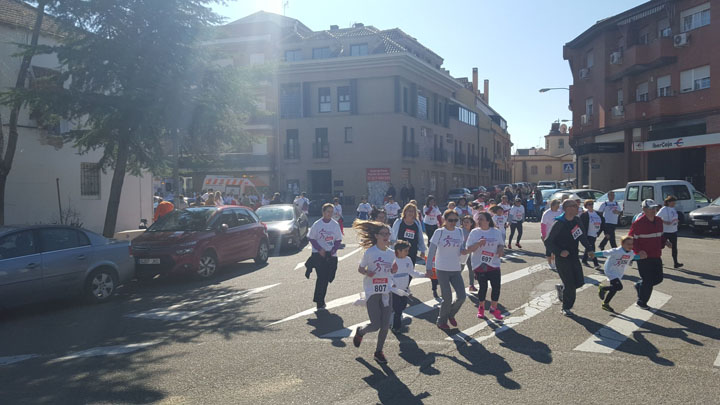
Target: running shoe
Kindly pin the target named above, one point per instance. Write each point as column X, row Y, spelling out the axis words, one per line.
column 396, row 330
column 443, row 326
column 357, row 339
column 510, row 246
column 481, row 312
column 607, row 307
column 637, row 288
column 678, row 265
column 453, row 322
column 321, row 306
column 601, row 292
column 435, row 294
column 553, row 266
column 472, row 288
column 642, row 305
column 496, row 313
column 518, row 245
column 559, row 288
column 585, row 263
column 380, row 358
column 566, row 312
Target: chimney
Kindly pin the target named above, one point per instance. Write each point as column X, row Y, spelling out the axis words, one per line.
column 358, row 25
column 486, row 93
column 475, row 81
column 334, row 27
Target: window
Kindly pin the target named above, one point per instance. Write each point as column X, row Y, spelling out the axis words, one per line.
column 664, row 29
column 321, row 53
column 292, row 146
column 680, row 192
column 695, row 17
column 644, row 36
column 244, row 217
column 620, row 97
column 293, row 55
column 700, row 198
column 359, row 50
column 533, row 170
column 561, row 143
column 348, row 135
column 467, row 116
column 343, row 95
column 641, row 92
column 90, row 180
column 405, row 99
column 257, row 59
column 663, row 86
column 647, row 192
column 589, row 59
column 548, row 169
column 290, row 101
column 695, row 79
column 53, row 239
column 229, row 218
column 325, row 105
column 422, row 112
column 632, row 194
column 321, row 149
column 589, row 107
column 17, row 245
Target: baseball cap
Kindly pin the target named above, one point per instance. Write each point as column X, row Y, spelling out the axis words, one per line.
column 649, row 203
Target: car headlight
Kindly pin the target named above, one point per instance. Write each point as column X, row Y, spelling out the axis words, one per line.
column 185, row 251
column 285, row 228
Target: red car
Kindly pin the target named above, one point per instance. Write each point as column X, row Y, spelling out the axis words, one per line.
column 200, row 240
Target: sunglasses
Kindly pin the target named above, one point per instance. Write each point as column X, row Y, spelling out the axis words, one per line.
column 452, row 220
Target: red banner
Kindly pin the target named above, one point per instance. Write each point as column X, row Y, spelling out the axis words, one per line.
column 378, row 175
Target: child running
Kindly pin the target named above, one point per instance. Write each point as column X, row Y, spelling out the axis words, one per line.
column 467, row 226
column 499, row 219
column 377, row 266
column 517, row 217
column 363, row 209
column 617, row 261
column 486, row 245
column 404, row 270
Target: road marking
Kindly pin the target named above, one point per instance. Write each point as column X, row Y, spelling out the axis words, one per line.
column 170, row 313
column 341, row 258
column 7, row 360
column 106, row 351
column 612, row 335
column 536, row 306
column 717, row 361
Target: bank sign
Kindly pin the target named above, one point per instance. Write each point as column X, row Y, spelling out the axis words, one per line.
column 677, row 143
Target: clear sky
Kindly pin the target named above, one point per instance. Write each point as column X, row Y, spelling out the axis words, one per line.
column 517, row 44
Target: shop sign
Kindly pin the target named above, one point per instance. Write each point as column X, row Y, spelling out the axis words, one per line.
column 676, row 143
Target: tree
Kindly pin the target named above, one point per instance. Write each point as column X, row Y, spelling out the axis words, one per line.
column 121, row 60
column 7, row 151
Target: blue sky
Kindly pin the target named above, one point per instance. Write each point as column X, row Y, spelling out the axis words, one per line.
column 516, row 44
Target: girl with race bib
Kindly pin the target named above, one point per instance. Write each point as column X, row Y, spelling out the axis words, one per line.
column 486, row 245
column 617, row 261
column 377, row 267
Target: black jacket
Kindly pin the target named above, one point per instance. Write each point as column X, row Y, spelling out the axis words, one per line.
column 561, row 236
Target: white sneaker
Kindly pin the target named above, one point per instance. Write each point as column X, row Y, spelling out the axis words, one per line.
column 553, row 266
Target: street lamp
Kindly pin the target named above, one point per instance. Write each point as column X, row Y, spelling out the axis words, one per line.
column 553, row 88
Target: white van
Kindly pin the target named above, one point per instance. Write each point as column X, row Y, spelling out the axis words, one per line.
column 688, row 199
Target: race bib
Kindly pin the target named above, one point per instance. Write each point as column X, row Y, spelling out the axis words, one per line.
column 576, row 232
column 518, row 216
column 486, row 257
column 380, row 285
column 409, row 234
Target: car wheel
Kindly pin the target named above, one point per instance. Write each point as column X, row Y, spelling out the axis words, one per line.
column 262, row 253
column 100, row 285
column 207, row 265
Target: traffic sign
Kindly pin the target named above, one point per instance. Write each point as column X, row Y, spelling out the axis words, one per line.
column 568, row 167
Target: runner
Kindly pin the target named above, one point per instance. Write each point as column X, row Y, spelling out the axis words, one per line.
column 562, row 240
column 408, row 228
column 486, row 245
column 669, row 216
column 647, row 232
column 610, row 211
column 363, row 209
column 467, row 226
column 593, row 223
column 451, row 206
column 377, row 266
column 392, row 209
column 325, row 238
column 547, row 220
column 617, row 261
column 517, row 217
column 432, row 217
column 378, row 214
column 505, row 204
column 498, row 219
column 445, row 246
column 405, row 268
column 462, row 208
column 304, row 203
column 337, row 214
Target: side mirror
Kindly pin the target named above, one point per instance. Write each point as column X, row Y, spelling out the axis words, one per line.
column 223, row 228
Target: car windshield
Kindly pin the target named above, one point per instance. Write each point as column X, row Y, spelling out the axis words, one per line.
column 190, row 219
column 547, row 193
column 716, row 202
column 274, row 214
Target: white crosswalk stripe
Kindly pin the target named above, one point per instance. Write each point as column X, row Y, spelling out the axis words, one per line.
column 612, row 335
column 717, row 361
column 106, row 351
column 8, row 360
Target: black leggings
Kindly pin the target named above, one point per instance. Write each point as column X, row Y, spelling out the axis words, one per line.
column 513, row 227
column 398, row 303
column 493, row 277
column 612, row 289
column 672, row 237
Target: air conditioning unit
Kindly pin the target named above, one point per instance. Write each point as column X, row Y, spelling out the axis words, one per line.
column 681, row 40
column 616, row 58
column 584, row 119
column 584, row 73
column 618, row 111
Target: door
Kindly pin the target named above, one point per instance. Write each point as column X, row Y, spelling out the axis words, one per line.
column 66, row 254
column 249, row 233
column 631, row 205
column 21, row 264
column 227, row 243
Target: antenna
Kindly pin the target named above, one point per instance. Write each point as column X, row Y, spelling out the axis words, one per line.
column 286, row 4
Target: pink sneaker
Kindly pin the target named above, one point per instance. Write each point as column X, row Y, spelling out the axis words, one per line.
column 481, row 312
column 453, row 322
column 443, row 326
column 496, row 313
column 472, row 288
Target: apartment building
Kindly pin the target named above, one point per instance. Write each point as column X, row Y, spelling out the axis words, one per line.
column 644, row 102
column 359, row 108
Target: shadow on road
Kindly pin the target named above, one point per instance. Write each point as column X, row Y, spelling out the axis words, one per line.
column 326, row 322
column 519, row 343
column 482, row 362
column 389, row 388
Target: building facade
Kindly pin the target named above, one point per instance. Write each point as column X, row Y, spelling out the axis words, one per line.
column 644, row 102
column 553, row 162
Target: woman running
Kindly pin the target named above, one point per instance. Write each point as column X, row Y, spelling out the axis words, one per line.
column 378, row 214
column 669, row 216
column 517, row 217
column 408, row 228
column 467, row 226
column 617, row 261
column 377, row 267
column 445, row 247
column 363, row 209
column 547, row 220
column 593, row 223
column 486, row 245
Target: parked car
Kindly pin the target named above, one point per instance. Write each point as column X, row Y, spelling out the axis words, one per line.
column 688, row 199
column 546, row 193
column 200, row 240
column 583, row 193
column 457, row 193
column 43, row 262
column 619, row 198
column 286, row 225
column 547, row 184
column 477, row 190
column 706, row 218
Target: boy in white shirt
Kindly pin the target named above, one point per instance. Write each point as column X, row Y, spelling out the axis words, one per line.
column 363, row 209
column 616, row 263
column 404, row 271
column 326, row 238
column 499, row 220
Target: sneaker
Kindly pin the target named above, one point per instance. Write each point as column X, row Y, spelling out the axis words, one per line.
column 509, row 246
column 678, row 265
column 559, row 288
column 357, row 339
column 601, row 292
column 566, row 312
column 518, row 245
column 585, row 263
column 496, row 313
column 553, row 266
column 642, row 305
column 453, row 322
column 637, row 288
column 597, row 267
column 308, row 271
column 481, row 312
column 443, row 326
column 380, row 358
column 607, row 307
column 396, row 330
column 435, row 294
column 321, row 306
column 472, row 288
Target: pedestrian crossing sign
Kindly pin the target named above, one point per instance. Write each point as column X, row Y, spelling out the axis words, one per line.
column 568, row 167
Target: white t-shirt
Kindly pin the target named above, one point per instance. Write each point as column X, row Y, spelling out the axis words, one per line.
column 669, row 214
column 337, row 212
column 364, row 207
column 392, row 210
column 325, row 234
column 449, row 244
column 607, row 209
column 547, row 220
column 517, row 214
column 499, row 221
column 506, row 210
column 431, row 218
column 405, row 271
column 617, row 261
column 380, row 262
column 594, row 224
column 488, row 253
column 462, row 211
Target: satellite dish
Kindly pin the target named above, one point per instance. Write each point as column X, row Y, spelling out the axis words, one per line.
column 563, row 128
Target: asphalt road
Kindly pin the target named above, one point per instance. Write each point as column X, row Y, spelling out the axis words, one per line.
column 251, row 336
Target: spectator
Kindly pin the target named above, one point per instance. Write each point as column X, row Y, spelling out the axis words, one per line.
column 163, row 208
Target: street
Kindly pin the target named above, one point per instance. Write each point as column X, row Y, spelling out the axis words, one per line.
column 252, row 335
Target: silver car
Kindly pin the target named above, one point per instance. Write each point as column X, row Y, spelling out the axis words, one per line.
column 43, row 262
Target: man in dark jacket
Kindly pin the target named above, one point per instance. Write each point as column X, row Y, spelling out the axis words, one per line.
column 562, row 240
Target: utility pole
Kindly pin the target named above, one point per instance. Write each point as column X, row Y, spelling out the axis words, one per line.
column 286, row 4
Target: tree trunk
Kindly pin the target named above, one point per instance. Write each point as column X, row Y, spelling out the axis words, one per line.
column 123, row 151
column 7, row 159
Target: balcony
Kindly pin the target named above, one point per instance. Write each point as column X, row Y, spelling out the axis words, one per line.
column 473, row 161
column 460, row 159
column 410, row 150
column 321, row 151
column 643, row 57
column 292, row 152
column 440, row 155
column 659, row 106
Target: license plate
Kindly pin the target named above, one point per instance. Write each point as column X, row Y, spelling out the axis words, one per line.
column 148, row 261
column 701, row 223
